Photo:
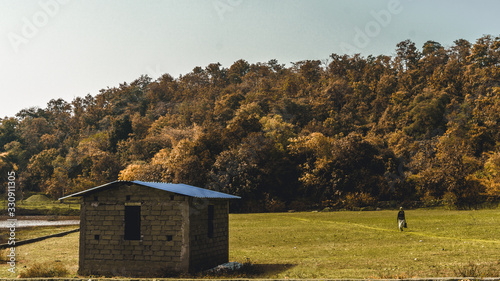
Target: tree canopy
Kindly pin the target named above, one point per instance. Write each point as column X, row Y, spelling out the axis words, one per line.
column 420, row 126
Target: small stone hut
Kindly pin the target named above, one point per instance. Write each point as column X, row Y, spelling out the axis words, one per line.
column 135, row 228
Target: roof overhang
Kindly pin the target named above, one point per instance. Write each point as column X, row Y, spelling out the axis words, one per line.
column 178, row 188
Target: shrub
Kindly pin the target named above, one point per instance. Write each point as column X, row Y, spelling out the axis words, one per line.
column 474, row 270
column 469, row 270
column 358, row 199
column 450, row 200
column 44, row 270
column 274, row 204
column 300, row 205
column 431, row 201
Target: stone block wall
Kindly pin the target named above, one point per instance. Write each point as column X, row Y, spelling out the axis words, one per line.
column 164, row 241
column 207, row 251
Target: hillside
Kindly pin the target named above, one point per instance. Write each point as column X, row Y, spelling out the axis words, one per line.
column 346, row 132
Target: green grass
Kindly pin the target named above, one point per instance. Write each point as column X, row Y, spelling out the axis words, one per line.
column 437, row 243
column 61, row 252
column 25, row 233
column 368, row 244
column 37, row 199
column 41, row 205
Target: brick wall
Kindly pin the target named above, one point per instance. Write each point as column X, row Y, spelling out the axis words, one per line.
column 205, row 251
column 164, row 229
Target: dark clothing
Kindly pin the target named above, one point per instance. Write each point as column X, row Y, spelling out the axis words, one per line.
column 401, row 220
column 401, row 215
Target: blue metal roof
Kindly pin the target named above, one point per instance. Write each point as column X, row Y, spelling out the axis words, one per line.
column 178, row 188
column 187, row 190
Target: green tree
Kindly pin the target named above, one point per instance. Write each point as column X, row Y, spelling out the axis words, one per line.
column 8, row 131
column 450, row 175
column 40, row 168
column 237, row 71
column 407, row 55
column 490, row 176
column 335, row 168
column 120, row 130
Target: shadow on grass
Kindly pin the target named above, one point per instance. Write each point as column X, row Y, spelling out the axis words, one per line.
column 250, row 270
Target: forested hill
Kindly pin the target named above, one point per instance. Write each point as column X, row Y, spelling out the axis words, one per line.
column 348, row 131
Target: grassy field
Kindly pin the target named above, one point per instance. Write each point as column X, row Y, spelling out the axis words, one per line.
column 368, row 244
column 51, row 252
column 34, row 232
column 41, row 205
column 339, row 245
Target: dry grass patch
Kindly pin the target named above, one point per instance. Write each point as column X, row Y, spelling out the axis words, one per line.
column 44, row 270
column 353, row 245
column 51, row 253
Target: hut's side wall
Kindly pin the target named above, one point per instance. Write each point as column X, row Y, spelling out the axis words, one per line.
column 164, row 227
column 208, row 249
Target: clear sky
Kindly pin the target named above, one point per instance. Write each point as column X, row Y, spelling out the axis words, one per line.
column 53, row 49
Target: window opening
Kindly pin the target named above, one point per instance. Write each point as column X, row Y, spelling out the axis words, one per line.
column 210, row 233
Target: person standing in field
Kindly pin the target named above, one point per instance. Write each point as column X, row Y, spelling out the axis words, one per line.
column 401, row 219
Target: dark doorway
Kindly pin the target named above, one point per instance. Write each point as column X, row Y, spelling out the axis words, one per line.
column 132, row 223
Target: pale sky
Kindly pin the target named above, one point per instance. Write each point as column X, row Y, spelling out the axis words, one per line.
column 52, row 49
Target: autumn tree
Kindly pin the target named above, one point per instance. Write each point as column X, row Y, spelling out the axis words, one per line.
column 420, row 125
